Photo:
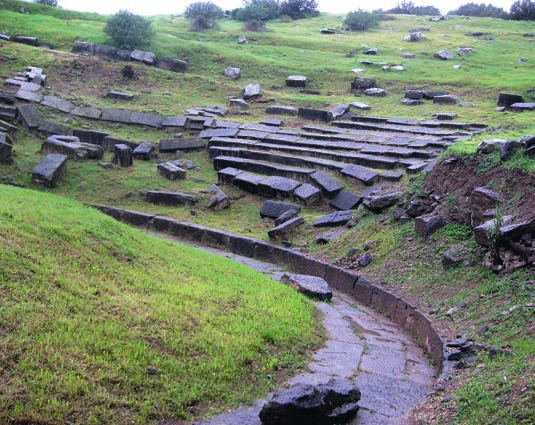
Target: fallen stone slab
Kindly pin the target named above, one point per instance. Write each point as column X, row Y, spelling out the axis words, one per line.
column 240, row 104
column 325, row 404
column 315, row 114
column 50, row 170
column 339, row 111
column 172, row 64
column 151, row 120
column 337, row 218
column 6, row 150
column 331, row 236
column 29, row 116
column 58, row 103
column 380, row 203
column 112, row 94
column 169, row 198
column 311, row 286
column 177, row 122
column 285, row 216
column 508, row 99
column 148, row 58
column 277, row 187
column 296, row 81
column 360, row 84
column 29, row 96
column 328, row 185
column 274, row 209
column 307, row 195
column 359, row 105
column 122, row 155
column 447, row 99
column 218, row 132
column 183, row 144
column 345, row 201
column 522, row 107
column 144, row 151
column 109, row 142
column 361, row 174
column 53, row 128
column 90, row 136
column 281, row 110
column 171, row 171
column 25, row 39
column 272, row 121
column 282, row 231
column 87, row 112
column 116, row 115
column 22, row 85
column 218, row 200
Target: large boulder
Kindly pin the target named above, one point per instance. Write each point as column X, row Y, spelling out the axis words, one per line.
column 171, row 64
column 361, row 83
column 415, row 36
column 488, row 146
column 325, row 404
column 252, row 91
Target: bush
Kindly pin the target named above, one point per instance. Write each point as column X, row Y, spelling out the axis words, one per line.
column 53, row 3
column 360, row 20
column 203, row 15
column 128, row 30
column 479, row 10
column 299, row 9
column 257, row 10
column 523, row 10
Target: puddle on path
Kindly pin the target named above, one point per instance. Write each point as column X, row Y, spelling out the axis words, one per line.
column 393, row 373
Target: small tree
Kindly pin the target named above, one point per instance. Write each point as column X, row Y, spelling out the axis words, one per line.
column 480, row 10
column 359, row 20
column 128, row 30
column 523, row 10
column 203, row 15
column 299, row 9
column 53, row 3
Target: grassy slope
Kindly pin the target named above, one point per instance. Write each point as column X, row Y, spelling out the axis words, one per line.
column 88, row 304
column 499, row 390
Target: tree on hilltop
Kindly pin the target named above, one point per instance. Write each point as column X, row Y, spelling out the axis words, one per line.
column 481, row 10
column 128, row 30
column 523, row 10
column 53, row 3
column 360, row 20
column 203, row 15
column 298, row 9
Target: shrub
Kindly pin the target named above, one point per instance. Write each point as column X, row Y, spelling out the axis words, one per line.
column 128, row 72
column 53, row 3
column 479, row 10
column 523, row 10
column 257, row 10
column 360, row 20
column 203, row 15
column 128, row 30
column 299, row 9
column 426, row 11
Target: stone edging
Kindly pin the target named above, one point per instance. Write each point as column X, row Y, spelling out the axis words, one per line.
column 405, row 315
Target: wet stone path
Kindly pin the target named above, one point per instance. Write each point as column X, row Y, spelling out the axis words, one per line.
column 393, row 373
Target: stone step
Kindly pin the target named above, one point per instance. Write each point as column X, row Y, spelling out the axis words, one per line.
column 399, row 128
column 322, row 159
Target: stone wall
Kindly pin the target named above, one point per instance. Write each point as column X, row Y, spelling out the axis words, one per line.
column 405, row 315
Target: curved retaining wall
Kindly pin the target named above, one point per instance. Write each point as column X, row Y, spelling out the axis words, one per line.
column 398, row 310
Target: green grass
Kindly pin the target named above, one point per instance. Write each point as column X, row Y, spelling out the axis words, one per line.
column 88, row 304
column 62, row 264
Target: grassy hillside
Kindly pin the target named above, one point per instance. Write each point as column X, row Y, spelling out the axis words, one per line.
column 102, row 323
column 105, row 269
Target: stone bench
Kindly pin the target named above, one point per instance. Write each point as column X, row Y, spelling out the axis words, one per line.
column 169, row 198
column 277, row 187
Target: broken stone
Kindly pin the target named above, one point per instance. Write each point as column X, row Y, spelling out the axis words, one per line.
column 285, row 229
column 171, row 64
column 29, row 116
column 218, row 200
column 310, row 286
column 144, row 150
column 171, row 171
column 380, row 203
column 285, row 216
column 328, row 185
column 314, row 114
column 122, row 155
column 232, row 72
column 345, row 200
column 252, row 91
column 296, row 81
column 307, row 194
column 302, row 404
column 362, row 174
column 112, row 94
column 337, row 218
column 274, row 209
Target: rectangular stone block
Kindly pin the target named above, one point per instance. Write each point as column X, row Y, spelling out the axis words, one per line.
column 242, row 245
column 136, row 218
column 217, row 238
column 163, row 224
column 50, row 170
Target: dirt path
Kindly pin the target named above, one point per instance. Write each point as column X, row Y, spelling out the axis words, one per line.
column 393, row 373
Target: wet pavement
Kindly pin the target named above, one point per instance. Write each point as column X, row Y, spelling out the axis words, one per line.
column 393, row 373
